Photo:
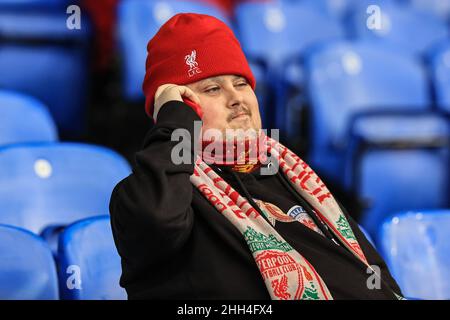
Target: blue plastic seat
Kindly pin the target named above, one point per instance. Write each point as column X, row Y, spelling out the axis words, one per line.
column 440, row 65
column 55, row 184
column 24, row 119
column 416, row 248
column 402, row 27
column 348, row 78
column 138, row 21
column 399, row 162
column 40, row 56
column 89, row 265
column 27, row 268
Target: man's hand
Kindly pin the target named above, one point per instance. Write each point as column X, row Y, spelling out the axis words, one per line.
column 170, row 92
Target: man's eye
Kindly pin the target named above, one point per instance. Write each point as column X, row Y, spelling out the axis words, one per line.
column 241, row 84
column 213, row 89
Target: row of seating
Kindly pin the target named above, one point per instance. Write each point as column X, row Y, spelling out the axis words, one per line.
column 354, row 76
column 51, row 194
column 46, row 184
column 278, row 35
column 373, row 130
column 35, row 37
column 87, row 265
column 414, row 245
column 52, row 184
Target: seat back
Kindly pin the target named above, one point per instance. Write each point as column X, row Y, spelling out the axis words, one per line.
column 416, row 248
column 402, row 163
column 24, row 119
column 56, row 183
column 89, row 263
column 40, row 56
column 27, row 268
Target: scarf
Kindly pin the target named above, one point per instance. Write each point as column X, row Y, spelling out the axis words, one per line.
column 286, row 273
column 243, row 156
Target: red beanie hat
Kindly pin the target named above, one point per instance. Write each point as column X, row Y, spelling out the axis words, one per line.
column 190, row 47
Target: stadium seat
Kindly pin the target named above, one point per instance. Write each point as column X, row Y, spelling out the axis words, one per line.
column 416, row 248
column 55, row 184
column 347, row 78
column 278, row 33
column 440, row 65
column 90, row 266
column 138, row 22
column 399, row 162
column 402, row 27
column 40, row 56
column 27, row 268
column 24, row 119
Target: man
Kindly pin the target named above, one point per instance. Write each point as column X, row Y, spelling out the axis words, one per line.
column 225, row 224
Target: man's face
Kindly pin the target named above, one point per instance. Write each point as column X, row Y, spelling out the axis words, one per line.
column 228, row 102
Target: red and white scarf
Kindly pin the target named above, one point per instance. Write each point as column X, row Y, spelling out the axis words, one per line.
column 286, row 273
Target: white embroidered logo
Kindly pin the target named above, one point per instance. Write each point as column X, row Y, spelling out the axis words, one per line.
column 193, row 65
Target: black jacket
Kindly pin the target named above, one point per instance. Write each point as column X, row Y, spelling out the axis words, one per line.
column 175, row 245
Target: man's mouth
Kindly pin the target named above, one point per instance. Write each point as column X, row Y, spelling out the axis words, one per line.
column 240, row 115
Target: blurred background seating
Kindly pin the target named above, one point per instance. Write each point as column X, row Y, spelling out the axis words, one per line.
column 416, row 249
column 346, row 79
column 40, row 56
column 359, row 89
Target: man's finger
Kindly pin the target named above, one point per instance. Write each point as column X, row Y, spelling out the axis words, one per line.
column 162, row 88
column 188, row 93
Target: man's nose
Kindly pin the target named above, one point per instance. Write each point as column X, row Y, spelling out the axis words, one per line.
column 235, row 98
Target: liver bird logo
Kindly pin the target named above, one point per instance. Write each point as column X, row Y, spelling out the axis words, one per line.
column 190, row 60
column 280, row 287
